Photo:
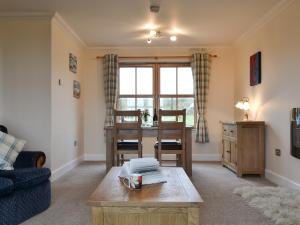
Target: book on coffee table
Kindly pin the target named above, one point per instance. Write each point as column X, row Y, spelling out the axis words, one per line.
column 153, row 176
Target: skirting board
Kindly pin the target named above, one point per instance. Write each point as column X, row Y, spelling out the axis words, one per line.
column 59, row 172
column 196, row 157
column 281, row 180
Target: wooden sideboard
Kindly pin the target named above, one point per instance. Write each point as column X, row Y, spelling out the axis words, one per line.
column 244, row 147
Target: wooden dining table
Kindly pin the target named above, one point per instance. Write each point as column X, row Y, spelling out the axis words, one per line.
column 147, row 132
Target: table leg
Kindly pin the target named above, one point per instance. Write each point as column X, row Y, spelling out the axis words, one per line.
column 188, row 148
column 109, row 150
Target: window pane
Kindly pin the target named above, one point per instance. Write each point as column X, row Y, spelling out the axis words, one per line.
column 185, row 80
column 126, row 104
column 188, row 104
column 168, row 80
column 145, row 103
column 168, row 103
column 127, row 80
column 144, row 80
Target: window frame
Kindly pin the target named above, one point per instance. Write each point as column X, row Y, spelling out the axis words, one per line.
column 136, row 96
column 156, row 95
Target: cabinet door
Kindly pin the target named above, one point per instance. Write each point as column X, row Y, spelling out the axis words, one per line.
column 250, row 149
column 233, row 153
column 226, row 150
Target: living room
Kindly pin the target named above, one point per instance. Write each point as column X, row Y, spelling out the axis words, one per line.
column 53, row 96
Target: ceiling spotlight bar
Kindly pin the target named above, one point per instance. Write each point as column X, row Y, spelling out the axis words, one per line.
column 173, row 38
column 153, row 34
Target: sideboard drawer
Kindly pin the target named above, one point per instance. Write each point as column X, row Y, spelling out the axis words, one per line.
column 229, row 130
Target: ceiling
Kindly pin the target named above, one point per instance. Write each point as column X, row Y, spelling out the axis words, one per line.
column 117, row 23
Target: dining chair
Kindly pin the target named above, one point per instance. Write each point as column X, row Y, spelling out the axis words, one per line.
column 127, row 134
column 171, row 136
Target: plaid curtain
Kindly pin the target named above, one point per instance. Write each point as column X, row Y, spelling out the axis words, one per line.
column 201, row 72
column 111, row 74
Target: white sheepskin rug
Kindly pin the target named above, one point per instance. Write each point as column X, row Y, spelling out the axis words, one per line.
column 281, row 205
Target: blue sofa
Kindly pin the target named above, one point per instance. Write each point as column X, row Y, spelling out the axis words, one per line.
column 26, row 190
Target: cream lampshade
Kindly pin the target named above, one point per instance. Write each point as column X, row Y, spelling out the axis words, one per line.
column 244, row 105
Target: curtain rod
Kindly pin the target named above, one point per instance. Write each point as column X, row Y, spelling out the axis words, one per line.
column 156, row 57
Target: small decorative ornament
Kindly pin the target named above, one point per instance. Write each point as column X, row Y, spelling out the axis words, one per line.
column 72, row 63
column 76, row 89
column 145, row 115
column 255, row 69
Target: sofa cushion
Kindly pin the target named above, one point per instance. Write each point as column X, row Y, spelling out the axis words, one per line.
column 10, row 147
column 7, row 174
column 29, row 177
column 6, row 186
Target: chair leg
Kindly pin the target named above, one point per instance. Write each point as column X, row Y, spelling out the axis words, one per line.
column 183, row 162
column 159, row 157
column 118, row 160
column 122, row 159
column 178, row 160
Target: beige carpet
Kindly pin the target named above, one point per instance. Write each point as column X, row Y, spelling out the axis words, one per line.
column 215, row 184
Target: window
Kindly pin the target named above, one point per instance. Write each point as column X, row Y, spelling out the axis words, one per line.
column 165, row 86
column 136, row 88
column 176, row 90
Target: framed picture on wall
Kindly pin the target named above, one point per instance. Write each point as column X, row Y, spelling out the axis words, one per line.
column 72, row 63
column 255, row 69
column 76, row 89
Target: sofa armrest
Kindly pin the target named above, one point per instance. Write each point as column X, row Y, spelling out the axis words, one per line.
column 28, row 159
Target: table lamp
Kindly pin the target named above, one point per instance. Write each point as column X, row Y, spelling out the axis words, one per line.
column 244, row 105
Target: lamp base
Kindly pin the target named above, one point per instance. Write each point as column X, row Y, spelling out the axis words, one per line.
column 246, row 117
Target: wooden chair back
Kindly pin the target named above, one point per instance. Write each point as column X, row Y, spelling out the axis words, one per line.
column 172, row 129
column 128, row 130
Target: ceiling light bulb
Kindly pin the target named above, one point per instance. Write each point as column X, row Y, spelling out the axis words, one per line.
column 149, row 41
column 152, row 32
column 173, row 38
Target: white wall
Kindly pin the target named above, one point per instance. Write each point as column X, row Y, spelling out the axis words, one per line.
column 66, row 111
column 220, row 99
column 34, row 54
column 273, row 99
column 25, row 72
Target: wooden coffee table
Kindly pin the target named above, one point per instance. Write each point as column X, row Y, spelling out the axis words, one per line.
column 176, row 202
